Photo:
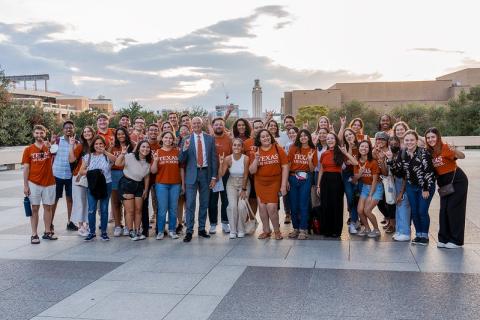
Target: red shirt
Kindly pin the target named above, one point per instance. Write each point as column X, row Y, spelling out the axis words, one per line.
column 328, row 163
column 271, row 161
column 445, row 161
column 168, row 167
column 371, row 168
column 299, row 159
column 109, row 137
column 223, row 145
column 40, row 162
column 249, row 147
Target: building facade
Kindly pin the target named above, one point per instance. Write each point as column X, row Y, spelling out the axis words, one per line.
column 385, row 95
column 257, row 99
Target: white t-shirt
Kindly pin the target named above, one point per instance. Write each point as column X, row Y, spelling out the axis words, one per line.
column 135, row 169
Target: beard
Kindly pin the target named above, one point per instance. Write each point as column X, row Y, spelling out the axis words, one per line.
column 218, row 132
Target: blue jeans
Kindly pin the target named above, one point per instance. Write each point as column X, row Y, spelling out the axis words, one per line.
column 402, row 213
column 419, row 209
column 167, row 199
column 202, row 185
column 299, row 199
column 92, row 210
column 350, row 190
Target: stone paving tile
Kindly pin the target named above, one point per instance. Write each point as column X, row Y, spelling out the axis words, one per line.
column 194, row 307
column 344, row 294
column 28, row 287
column 124, row 305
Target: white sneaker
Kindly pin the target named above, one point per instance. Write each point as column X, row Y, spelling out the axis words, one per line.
column 83, row 232
column 241, row 235
column 117, row 232
column 213, row 229
column 451, row 245
column 441, row 244
column 352, row 229
column 401, row 238
column 126, row 232
column 225, row 228
column 232, row 235
column 159, row 236
column 141, row 236
column 364, row 232
column 173, row 235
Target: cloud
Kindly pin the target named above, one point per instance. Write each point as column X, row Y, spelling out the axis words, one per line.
column 438, row 50
column 194, row 69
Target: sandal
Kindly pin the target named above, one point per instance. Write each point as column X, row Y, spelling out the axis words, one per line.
column 302, row 235
column 390, row 229
column 35, row 239
column 264, row 235
column 278, row 235
column 293, row 234
column 49, row 236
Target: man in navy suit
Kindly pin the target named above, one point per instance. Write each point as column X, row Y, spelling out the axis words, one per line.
column 200, row 158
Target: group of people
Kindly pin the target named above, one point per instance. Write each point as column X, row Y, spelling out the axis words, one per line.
column 250, row 167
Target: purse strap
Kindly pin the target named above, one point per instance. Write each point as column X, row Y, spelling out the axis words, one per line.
column 454, row 173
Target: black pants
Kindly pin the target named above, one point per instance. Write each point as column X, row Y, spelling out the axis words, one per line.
column 145, row 216
column 388, row 210
column 331, row 198
column 213, row 203
column 453, row 208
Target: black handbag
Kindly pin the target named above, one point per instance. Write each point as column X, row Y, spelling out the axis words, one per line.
column 447, row 189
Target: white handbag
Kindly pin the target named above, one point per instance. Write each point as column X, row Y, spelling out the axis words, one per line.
column 244, row 210
column 389, row 187
column 82, row 182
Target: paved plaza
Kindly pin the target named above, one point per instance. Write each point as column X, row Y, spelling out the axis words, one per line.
column 219, row 278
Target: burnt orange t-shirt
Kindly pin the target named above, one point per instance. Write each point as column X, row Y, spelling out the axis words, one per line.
column 299, row 159
column 40, row 161
column 109, row 137
column 360, row 137
column 445, row 161
column 168, row 167
column 77, row 152
column 223, row 144
column 270, row 161
column 328, row 163
column 116, row 151
column 371, row 168
column 354, row 154
column 249, row 147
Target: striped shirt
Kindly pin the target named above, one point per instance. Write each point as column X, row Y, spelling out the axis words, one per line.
column 61, row 165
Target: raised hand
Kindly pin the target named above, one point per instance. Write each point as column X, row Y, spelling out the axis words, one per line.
column 155, row 155
column 305, row 125
column 124, row 150
column 221, row 159
column 71, row 140
column 186, row 145
column 343, row 149
column 451, row 146
column 257, row 154
column 343, row 121
column 310, row 155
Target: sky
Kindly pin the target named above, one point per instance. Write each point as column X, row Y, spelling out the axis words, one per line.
column 180, row 54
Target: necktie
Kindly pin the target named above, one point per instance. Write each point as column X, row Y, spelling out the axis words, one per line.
column 199, row 151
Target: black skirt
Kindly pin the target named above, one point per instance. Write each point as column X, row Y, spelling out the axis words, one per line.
column 331, row 198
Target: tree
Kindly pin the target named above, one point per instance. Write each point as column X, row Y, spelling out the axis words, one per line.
column 310, row 115
column 4, row 95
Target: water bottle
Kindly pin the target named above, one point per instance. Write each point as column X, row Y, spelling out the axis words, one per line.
column 27, row 206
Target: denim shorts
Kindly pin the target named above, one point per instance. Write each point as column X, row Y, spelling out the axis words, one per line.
column 116, row 176
column 61, row 184
column 129, row 186
column 377, row 195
